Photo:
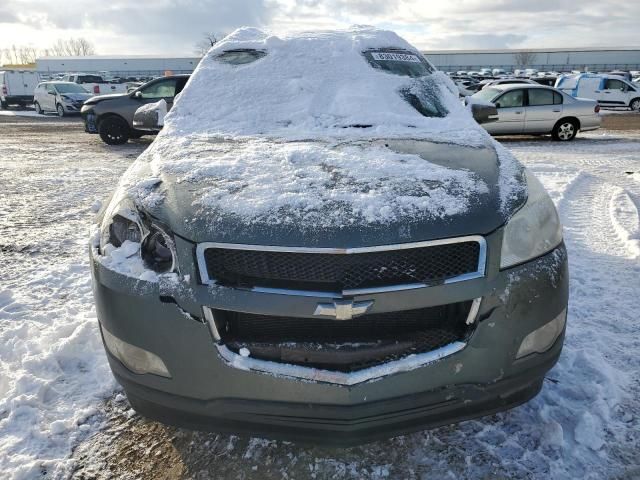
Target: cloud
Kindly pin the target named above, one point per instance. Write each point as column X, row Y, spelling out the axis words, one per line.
column 174, row 26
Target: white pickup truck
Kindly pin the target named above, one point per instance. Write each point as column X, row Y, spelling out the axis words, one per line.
column 94, row 83
column 16, row 87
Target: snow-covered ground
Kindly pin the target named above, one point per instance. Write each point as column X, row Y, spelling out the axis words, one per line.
column 61, row 414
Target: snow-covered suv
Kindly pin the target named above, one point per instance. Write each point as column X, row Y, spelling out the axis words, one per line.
column 323, row 244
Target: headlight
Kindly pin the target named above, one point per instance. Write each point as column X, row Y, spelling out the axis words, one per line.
column 123, row 221
column 534, row 230
column 158, row 249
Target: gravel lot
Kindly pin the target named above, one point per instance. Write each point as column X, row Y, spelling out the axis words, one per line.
column 585, row 423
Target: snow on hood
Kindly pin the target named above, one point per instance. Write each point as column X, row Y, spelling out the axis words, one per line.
column 316, row 183
column 280, row 139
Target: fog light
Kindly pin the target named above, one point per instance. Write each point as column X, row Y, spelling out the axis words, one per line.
column 541, row 339
column 134, row 358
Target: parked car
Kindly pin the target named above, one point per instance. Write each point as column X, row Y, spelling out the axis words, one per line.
column 536, row 109
column 16, row 87
column 496, row 72
column 508, row 81
column 111, row 116
column 323, row 244
column 62, row 98
column 607, row 90
column 94, row 83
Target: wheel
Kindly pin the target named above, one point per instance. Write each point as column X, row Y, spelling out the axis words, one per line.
column 635, row 105
column 60, row 110
column 565, row 130
column 114, row 131
column 39, row 111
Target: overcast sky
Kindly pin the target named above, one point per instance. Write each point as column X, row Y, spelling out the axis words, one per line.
column 173, row 27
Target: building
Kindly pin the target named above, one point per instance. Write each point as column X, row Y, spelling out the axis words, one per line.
column 118, row 65
column 557, row 59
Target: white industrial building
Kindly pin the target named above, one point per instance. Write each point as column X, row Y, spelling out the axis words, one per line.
column 120, row 65
column 558, row 59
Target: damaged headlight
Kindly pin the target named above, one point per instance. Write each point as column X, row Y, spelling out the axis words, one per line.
column 534, row 230
column 123, row 221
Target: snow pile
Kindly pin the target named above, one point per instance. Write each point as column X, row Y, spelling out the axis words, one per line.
column 317, row 183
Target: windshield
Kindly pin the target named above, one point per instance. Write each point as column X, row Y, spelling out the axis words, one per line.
column 487, row 94
column 399, row 62
column 69, row 88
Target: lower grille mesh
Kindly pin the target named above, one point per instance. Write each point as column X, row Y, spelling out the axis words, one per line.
column 344, row 345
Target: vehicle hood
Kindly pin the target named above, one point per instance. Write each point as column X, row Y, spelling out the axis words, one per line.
column 326, row 194
column 77, row 96
column 100, row 98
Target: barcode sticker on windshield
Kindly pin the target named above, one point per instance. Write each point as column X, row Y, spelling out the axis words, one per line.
column 396, row 57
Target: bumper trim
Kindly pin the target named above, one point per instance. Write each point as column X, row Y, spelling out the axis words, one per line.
column 405, row 364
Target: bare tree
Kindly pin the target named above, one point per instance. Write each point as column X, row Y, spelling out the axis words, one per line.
column 524, row 58
column 72, row 47
column 204, row 44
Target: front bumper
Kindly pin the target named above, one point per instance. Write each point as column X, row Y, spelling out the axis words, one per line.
column 207, row 392
column 90, row 119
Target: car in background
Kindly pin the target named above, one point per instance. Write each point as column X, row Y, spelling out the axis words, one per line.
column 16, row 87
column 62, row 98
column 111, row 116
column 537, row 109
column 94, row 83
column 607, row 90
column 339, row 263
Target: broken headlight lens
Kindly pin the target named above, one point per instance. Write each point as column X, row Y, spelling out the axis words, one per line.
column 534, row 230
column 158, row 249
column 123, row 221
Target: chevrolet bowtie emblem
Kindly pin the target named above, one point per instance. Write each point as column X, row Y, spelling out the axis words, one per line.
column 343, row 309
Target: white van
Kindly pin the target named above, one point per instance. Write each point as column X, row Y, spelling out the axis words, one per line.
column 16, row 87
column 607, row 90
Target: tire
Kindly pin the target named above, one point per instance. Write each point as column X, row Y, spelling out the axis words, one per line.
column 114, row 131
column 635, row 105
column 565, row 130
column 39, row 110
column 60, row 110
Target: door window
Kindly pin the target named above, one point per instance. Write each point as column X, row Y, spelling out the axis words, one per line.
column 50, row 89
column 611, row 84
column 514, row 98
column 540, row 96
column 161, row 89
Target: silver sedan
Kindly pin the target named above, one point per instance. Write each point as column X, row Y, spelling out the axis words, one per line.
column 536, row 109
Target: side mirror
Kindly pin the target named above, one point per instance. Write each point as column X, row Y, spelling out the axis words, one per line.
column 150, row 117
column 498, row 105
column 484, row 113
column 138, row 94
column 51, row 93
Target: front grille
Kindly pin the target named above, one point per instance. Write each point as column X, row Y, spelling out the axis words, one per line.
column 333, row 272
column 348, row 345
